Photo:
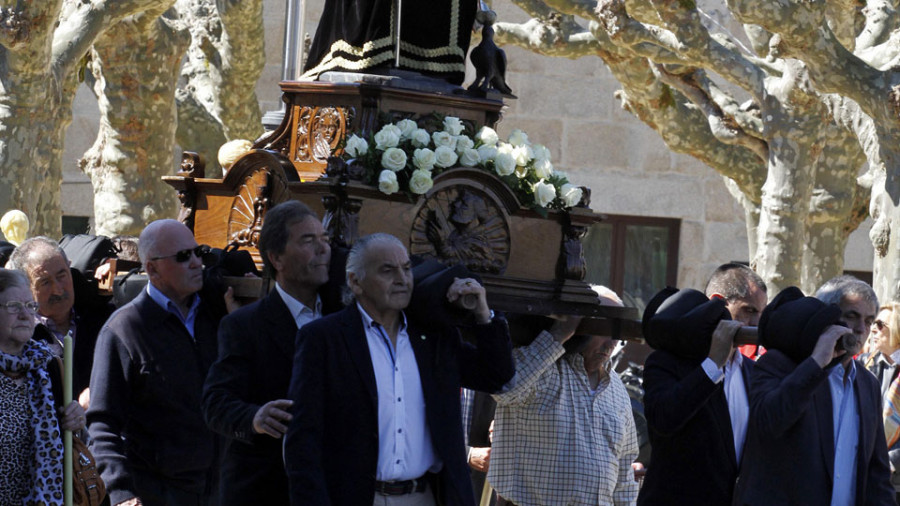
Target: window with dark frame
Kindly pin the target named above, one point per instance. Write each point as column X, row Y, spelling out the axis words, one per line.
column 636, row 256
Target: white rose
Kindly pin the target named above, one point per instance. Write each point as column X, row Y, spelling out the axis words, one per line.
column 505, row 148
column 356, row 146
column 420, row 138
column 444, row 157
column 443, row 139
column 523, row 155
column 387, row 137
column 570, row 194
column 541, row 152
column 469, row 158
column 463, row 143
column 387, row 182
column 423, row 158
column 521, row 171
column 504, row 164
column 486, row 152
column 420, row 181
column 488, row 136
column 393, row 159
column 453, row 126
column 544, row 193
column 407, row 127
column 518, row 138
column 543, row 168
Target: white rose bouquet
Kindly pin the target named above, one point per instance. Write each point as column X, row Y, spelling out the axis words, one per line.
column 407, row 155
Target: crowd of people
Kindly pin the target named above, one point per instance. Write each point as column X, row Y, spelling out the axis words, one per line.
column 337, row 388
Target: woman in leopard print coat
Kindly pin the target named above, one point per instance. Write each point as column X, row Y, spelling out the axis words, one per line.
column 31, row 450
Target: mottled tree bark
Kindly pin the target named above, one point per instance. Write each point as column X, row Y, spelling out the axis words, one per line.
column 44, row 43
column 217, row 102
column 222, row 46
column 135, row 68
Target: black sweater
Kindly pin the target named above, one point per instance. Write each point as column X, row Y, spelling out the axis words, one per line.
column 146, row 389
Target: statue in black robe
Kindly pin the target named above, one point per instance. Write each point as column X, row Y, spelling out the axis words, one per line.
column 358, row 36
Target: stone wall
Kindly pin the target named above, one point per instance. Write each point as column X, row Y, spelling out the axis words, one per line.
column 567, row 105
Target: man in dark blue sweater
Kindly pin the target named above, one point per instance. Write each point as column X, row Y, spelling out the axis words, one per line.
column 151, row 359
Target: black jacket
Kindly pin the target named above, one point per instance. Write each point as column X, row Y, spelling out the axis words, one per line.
column 331, row 448
column 256, row 353
column 789, row 455
column 690, row 432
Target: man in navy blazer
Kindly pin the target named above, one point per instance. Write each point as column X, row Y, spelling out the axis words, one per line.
column 696, row 392
column 245, row 396
column 816, row 433
column 376, row 411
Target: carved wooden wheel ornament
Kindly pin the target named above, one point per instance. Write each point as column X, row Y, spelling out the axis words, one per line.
column 260, row 189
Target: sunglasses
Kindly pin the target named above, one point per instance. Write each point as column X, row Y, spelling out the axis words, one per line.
column 880, row 325
column 185, row 254
column 18, row 307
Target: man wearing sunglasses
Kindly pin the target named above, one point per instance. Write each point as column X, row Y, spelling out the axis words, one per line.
column 245, row 397
column 149, row 437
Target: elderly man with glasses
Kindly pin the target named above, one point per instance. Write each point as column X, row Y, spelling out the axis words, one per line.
column 152, row 357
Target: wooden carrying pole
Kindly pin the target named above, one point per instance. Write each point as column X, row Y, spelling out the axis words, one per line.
column 67, row 435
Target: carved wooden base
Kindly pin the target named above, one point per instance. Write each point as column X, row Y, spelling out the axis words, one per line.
column 530, row 263
column 320, row 115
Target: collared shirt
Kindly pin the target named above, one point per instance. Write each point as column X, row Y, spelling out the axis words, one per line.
column 738, row 404
column 51, row 325
column 557, row 443
column 302, row 314
column 57, row 346
column 735, row 395
column 167, row 304
column 845, row 415
column 466, row 401
column 405, row 450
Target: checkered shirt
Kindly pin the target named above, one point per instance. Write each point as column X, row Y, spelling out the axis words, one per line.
column 555, row 442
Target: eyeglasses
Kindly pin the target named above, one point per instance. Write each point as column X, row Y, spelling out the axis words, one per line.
column 185, row 254
column 17, row 307
column 880, row 325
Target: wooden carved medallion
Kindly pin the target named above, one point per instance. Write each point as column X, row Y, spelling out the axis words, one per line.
column 461, row 224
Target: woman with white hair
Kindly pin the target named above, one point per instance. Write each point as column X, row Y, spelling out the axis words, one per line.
column 31, row 449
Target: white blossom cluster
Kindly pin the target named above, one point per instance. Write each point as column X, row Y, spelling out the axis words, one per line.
column 403, row 152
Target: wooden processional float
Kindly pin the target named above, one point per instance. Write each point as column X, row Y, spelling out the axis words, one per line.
column 529, row 263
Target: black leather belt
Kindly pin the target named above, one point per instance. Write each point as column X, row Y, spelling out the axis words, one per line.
column 402, row 487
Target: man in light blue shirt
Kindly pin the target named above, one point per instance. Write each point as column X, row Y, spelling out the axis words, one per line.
column 858, row 304
column 376, row 413
column 816, row 433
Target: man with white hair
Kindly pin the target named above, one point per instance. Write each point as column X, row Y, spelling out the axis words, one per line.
column 566, row 415
column 376, row 414
column 148, row 434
